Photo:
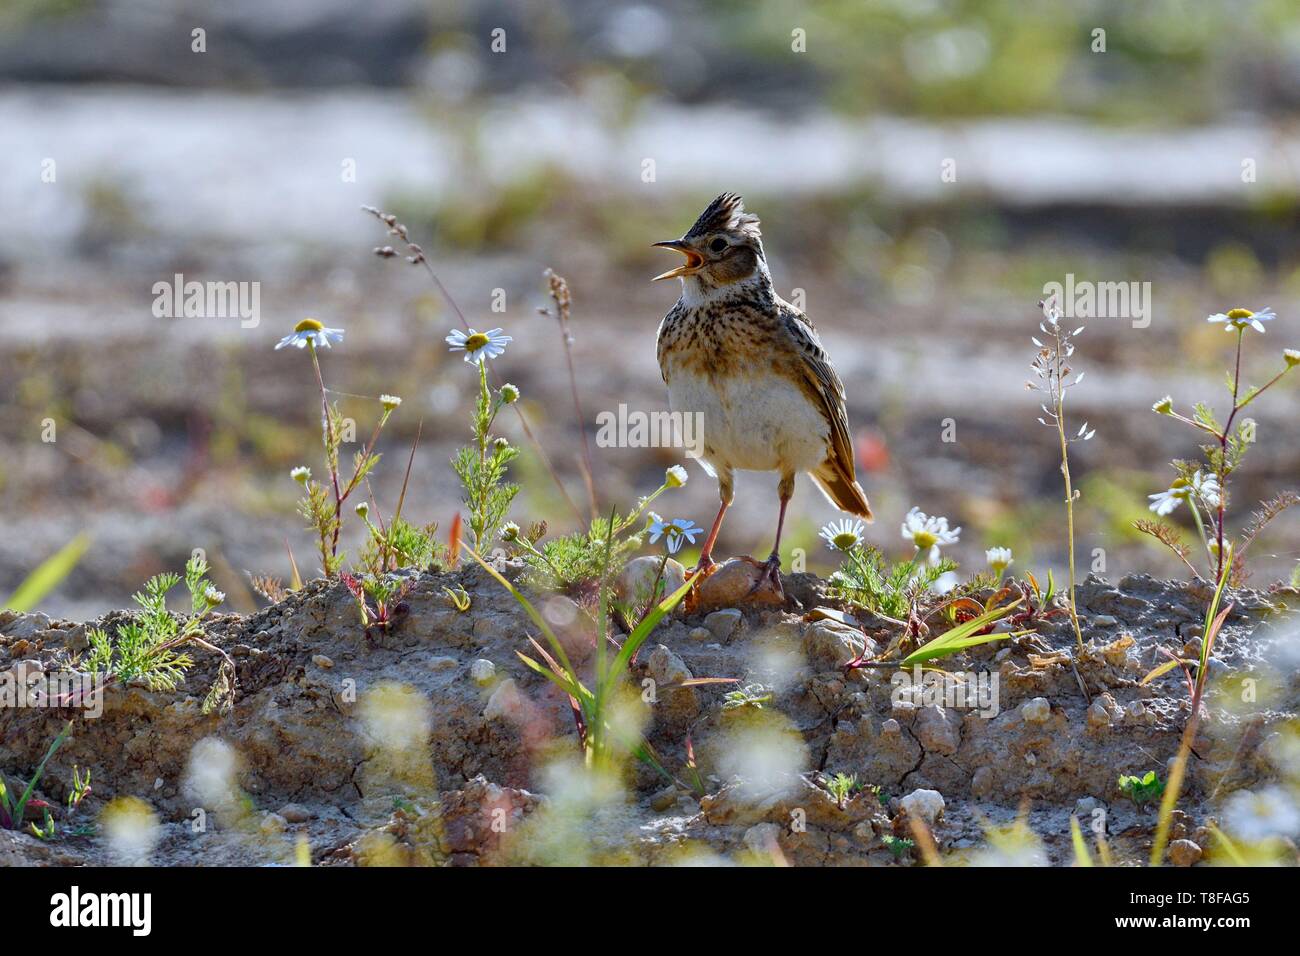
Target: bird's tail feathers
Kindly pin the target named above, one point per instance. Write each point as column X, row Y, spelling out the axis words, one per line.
column 842, row 490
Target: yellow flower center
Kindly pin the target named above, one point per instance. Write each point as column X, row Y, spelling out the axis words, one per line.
column 476, row 342
column 1240, row 313
column 308, row 325
column 924, row 539
column 845, row 540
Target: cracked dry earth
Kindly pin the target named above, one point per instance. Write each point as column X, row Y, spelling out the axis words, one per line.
column 434, row 744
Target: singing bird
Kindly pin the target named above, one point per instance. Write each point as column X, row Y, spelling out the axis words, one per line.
column 752, row 365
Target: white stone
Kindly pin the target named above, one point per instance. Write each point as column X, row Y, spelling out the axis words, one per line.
column 505, row 702
column 923, row 805
column 1036, row 711
column 482, row 671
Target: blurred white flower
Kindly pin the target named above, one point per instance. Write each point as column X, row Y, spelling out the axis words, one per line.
column 928, row 533
column 999, row 559
column 1202, row 485
column 1255, row 817
column 945, row 582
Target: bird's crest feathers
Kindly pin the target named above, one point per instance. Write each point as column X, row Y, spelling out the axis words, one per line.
column 725, row 214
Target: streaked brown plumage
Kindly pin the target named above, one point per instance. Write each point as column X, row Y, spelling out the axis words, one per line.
column 752, row 364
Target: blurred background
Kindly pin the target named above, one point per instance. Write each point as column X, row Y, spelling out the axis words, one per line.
column 922, row 169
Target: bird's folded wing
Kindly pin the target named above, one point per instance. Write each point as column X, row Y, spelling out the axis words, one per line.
column 823, row 384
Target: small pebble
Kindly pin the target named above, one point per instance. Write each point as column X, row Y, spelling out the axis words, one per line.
column 1098, row 714
column 1184, row 853
column 890, row 727
column 482, row 671
column 1104, row 620
column 442, row 663
column 272, row 823
column 701, row 634
column 320, row 660
column 1036, row 711
column 296, row 813
column 724, row 623
column 664, row 799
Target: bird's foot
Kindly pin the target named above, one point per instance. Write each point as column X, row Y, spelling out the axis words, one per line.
column 769, row 582
column 697, row 576
column 703, row 568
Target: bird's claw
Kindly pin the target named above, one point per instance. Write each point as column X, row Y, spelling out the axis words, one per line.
column 770, row 580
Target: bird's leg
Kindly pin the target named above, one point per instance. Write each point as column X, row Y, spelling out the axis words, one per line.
column 706, row 562
column 770, row 580
column 727, row 493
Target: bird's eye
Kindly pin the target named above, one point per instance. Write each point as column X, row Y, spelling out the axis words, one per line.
column 717, row 245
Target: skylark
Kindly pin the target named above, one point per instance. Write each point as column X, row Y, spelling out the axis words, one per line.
column 751, row 364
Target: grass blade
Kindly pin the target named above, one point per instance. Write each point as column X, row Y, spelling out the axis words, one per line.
column 1081, row 855
column 21, row 805
column 48, row 575
column 647, row 625
column 961, row 637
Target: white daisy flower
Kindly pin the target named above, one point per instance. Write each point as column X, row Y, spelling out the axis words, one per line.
column 1291, row 357
column 301, row 474
column 1164, row 407
column 675, row 533
column 390, row 402
column 1164, row 502
column 478, row 346
column 843, row 535
column 1240, row 318
column 310, row 332
column 999, row 559
column 675, row 476
column 928, row 533
column 1205, row 487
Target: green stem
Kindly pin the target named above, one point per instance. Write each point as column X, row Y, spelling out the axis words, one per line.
column 1222, row 473
column 1200, row 526
column 1069, row 494
column 331, row 461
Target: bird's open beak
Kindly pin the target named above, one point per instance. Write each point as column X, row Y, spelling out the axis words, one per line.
column 694, row 261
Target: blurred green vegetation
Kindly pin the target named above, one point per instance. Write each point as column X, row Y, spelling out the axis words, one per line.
column 1164, row 60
